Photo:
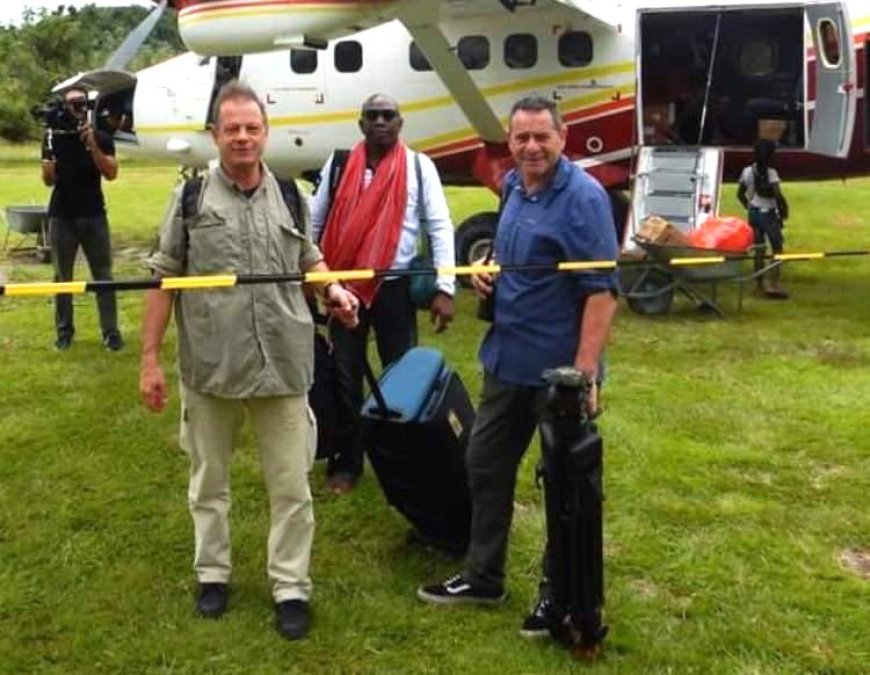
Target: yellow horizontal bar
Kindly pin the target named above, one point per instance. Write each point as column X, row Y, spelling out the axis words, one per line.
column 711, row 260
column 798, row 256
column 461, row 270
column 592, row 265
column 42, row 288
column 187, row 283
column 339, row 275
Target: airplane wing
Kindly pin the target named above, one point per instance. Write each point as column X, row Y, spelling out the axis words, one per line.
column 600, row 11
column 421, row 21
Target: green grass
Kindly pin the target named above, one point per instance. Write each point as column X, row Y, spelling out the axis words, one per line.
column 737, row 470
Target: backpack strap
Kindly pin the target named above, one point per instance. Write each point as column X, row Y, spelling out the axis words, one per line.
column 190, row 197
column 291, row 197
column 421, row 208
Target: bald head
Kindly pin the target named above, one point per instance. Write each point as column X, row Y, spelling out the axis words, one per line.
column 380, row 122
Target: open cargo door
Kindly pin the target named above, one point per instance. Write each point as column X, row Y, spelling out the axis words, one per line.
column 835, row 73
column 722, row 75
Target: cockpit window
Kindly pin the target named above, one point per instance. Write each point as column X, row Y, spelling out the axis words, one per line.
column 829, row 43
column 757, row 58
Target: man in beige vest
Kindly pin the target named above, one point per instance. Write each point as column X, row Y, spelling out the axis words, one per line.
column 248, row 348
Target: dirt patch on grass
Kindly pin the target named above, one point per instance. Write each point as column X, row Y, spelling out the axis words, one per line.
column 857, row 562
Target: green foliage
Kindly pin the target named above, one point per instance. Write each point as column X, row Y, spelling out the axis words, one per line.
column 51, row 46
column 736, row 473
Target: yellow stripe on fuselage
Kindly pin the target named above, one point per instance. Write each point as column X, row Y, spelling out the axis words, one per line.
column 570, row 106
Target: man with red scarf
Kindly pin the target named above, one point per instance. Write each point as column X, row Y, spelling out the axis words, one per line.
column 372, row 221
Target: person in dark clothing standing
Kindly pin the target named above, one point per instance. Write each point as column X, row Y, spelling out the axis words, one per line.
column 74, row 163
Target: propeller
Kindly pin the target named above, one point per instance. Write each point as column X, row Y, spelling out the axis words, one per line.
column 125, row 53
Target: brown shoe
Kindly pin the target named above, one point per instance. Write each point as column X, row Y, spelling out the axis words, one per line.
column 341, row 483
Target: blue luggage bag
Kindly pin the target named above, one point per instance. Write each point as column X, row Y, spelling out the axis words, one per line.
column 416, row 426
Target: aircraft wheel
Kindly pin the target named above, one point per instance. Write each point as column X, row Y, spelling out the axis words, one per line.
column 473, row 240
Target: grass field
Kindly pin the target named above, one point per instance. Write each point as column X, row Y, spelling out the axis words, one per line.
column 737, row 472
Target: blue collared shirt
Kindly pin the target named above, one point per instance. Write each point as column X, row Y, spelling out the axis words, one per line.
column 537, row 313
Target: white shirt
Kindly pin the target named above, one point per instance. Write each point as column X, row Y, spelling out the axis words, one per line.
column 439, row 226
column 756, row 201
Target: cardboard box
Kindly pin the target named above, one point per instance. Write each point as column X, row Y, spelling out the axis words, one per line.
column 659, row 231
column 771, row 130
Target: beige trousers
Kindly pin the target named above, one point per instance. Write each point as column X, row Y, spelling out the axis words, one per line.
column 285, row 433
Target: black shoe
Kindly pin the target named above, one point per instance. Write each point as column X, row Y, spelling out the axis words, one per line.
column 537, row 624
column 211, row 603
column 112, row 340
column 294, row 619
column 458, row 590
column 63, row 342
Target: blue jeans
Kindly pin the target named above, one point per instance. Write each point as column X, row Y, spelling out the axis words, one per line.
column 766, row 224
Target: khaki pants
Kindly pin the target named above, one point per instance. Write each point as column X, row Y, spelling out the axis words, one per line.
column 285, row 433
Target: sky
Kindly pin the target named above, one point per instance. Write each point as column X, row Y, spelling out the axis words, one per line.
column 10, row 10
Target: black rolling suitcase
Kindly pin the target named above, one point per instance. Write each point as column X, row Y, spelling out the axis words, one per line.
column 416, row 425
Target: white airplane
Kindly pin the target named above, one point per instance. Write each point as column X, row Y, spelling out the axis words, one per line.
column 706, row 79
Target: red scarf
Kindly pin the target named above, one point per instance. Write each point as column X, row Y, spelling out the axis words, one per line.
column 364, row 225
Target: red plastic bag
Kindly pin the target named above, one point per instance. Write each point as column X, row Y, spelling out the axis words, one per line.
column 723, row 233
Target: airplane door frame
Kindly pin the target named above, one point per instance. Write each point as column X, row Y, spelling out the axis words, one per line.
column 836, row 90
column 226, row 69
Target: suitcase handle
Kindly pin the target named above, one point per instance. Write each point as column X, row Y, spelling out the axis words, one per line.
column 383, row 409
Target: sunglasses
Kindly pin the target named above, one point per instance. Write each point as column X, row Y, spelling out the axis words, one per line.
column 77, row 105
column 387, row 115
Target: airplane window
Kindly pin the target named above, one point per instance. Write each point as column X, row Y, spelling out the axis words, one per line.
column 473, row 51
column 418, row 59
column 575, row 49
column 829, row 39
column 348, row 56
column 521, row 50
column 303, row 61
column 756, row 58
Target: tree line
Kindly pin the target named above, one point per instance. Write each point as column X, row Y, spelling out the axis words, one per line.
column 50, row 46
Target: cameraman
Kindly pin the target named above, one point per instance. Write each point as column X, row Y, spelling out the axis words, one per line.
column 75, row 157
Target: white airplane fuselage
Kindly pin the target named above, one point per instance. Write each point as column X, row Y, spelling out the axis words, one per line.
column 312, row 113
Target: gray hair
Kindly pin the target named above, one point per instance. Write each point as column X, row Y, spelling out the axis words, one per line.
column 234, row 90
column 537, row 103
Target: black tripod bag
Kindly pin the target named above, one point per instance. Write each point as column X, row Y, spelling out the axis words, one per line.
column 571, row 469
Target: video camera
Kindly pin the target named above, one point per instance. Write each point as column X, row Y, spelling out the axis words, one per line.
column 57, row 119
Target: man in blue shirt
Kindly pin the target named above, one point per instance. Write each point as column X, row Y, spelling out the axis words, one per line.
column 553, row 212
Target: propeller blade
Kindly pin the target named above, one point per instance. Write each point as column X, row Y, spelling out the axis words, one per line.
column 125, row 53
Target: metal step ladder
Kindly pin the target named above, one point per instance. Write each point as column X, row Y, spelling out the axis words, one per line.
column 678, row 183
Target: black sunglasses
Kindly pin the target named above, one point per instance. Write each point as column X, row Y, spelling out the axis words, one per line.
column 387, row 115
column 78, row 105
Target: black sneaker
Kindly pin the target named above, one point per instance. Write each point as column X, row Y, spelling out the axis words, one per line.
column 458, row 590
column 537, row 624
column 293, row 619
column 211, row 602
column 113, row 341
column 63, row 342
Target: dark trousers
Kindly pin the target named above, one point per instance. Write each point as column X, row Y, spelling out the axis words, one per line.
column 506, row 420
column 394, row 320
column 92, row 234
